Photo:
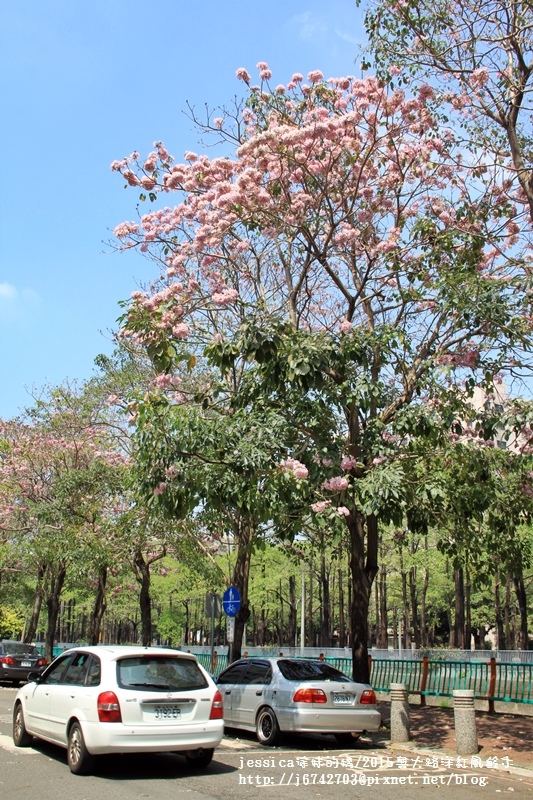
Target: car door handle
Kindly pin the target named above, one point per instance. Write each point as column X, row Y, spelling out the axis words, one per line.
column 259, row 693
column 228, row 691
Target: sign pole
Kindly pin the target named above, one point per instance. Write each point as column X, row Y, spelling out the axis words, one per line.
column 231, row 603
column 212, row 635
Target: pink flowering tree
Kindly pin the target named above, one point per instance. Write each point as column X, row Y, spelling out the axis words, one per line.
column 60, row 479
column 479, row 56
column 344, row 270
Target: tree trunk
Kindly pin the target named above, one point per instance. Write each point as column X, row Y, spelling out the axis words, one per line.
column 363, row 569
column 53, row 600
column 311, row 624
column 459, row 619
column 424, row 634
column 383, row 619
column 500, row 638
column 292, row 624
column 142, row 574
column 414, row 606
column 325, row 620
column 31, row 628
column 468, row 609
column 521, row 597
column 100, row 605
column 406, row 612
column 342, row 627
column 509, row 633
column 243, row 532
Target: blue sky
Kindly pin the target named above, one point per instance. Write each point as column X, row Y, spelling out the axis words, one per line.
column 84, row 83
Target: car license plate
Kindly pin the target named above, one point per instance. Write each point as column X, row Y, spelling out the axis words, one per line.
column 25, row 663
column 340, row 699
column 167, row 712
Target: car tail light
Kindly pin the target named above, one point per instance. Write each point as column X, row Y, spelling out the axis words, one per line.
column 368, row 698
column 217, row 707
column 7, row 660
column 108, row 707
column 42, row 662
column 310, row 696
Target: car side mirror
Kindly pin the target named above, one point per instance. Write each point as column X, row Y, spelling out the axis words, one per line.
column 35, row 677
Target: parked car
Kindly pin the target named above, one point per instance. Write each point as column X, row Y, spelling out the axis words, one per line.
column 17, row 660
column 121, row 699
column 275, row 695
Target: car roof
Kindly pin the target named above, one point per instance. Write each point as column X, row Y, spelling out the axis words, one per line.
column 109, row 652
column 17, row 641
column 275, row 659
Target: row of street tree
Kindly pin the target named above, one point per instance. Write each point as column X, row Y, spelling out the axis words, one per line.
column 330, row 290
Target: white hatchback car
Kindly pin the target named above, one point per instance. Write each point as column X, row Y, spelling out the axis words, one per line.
column 121, row 699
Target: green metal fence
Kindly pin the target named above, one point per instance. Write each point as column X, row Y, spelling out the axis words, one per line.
column 511, row 683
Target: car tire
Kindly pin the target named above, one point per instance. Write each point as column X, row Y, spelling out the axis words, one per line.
column 267, row 727
column 21, row 737
column 79, row 759
column 347, row 739
column 199, row 758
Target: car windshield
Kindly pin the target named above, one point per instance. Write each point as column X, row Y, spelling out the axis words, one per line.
column 310, row 671
column 19, row 648
column 159, row 673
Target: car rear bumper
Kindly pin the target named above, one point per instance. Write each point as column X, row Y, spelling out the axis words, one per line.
column 109, row 737
column 310, row 720
column 16, row 673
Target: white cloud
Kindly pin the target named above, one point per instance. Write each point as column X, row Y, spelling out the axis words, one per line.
column 7, row 290
column 355, row 40
column 310, row 26
column 17, row 306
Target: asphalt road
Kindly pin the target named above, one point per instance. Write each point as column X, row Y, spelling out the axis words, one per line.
column 301, row 768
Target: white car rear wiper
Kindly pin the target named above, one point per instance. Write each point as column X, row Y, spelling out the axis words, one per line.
column 152, row 685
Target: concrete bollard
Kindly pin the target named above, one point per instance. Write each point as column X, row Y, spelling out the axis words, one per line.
column 400, row 724
column 465, row 722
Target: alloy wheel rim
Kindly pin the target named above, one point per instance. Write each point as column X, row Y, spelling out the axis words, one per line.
column 18, row 723
column 266, row 725
column 74, row 749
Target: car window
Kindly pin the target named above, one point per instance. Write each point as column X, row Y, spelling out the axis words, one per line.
column 233, row 674
column 165, row 673
column 55, row 671
column 93, row 672
column 76, row 670
column 19, row 648
column 310, row 671
column 258, row 672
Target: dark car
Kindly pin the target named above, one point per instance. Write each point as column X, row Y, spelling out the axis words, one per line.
column 17, row 660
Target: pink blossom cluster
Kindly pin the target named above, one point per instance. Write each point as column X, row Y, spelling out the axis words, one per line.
column 468, row 357
column 336, row 484
column 348, row 463
column 298, row 469
column 320, row 506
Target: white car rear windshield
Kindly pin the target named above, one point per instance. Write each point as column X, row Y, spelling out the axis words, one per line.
column 159, row 673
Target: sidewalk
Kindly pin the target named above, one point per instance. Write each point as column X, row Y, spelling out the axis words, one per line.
column 500, row 736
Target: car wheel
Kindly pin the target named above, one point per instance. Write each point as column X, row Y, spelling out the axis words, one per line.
column 199, row 758
column 21, row 737
column 266, row 727
column 79, row 759
column 347, row 739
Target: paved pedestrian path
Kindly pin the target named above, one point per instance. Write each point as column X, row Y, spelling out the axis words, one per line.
column 505, row 740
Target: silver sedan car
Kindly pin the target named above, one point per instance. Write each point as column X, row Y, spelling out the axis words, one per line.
column 275, row 695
